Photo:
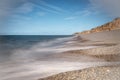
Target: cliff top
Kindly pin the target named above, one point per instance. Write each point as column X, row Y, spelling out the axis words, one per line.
column 115, row 24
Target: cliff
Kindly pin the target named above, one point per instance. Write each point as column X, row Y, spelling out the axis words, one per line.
column 115, row 24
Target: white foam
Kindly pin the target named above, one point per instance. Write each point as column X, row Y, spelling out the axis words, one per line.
column 44, row 68
column 24, row 64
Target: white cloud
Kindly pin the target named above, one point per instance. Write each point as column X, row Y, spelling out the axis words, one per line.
column 70, row 18
column 78, row 14
column 20, row 18
column 52, row 7
column 7, row 8
column 41, row 13
column 47, row 9
column 85, row 12
column 25, row 8
column 11, row 7
column 108, row 6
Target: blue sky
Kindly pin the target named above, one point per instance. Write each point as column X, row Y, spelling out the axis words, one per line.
column 50, row 17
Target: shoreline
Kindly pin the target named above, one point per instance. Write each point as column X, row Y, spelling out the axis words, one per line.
column 108, row 50
column 92, row 73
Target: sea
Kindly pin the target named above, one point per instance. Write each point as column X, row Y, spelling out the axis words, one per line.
column 11, row 43
column 19, row 53
column 31, row 57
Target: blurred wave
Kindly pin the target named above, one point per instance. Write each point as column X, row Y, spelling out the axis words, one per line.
column 32, row 57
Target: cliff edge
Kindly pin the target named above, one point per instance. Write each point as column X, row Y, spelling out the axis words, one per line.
column 113, row 25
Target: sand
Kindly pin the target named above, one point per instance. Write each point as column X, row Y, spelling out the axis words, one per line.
column 111, row 53
column 94, row 73
column 106, row 36
column 108, row 49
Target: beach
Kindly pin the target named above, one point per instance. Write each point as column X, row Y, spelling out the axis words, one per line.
column 59, row 40
column 94, row 73
column 59, row 56
column 106, row 50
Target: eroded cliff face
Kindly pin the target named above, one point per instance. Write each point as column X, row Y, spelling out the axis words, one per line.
column 115, row 24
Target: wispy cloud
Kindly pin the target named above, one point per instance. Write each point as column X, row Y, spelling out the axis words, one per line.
column 107, row 6
column 70, row 18
column 8, row 8
column 47, row 9
column 41, row 13
column 25, row 8
column 50, row 6
column 77, row 14
column 17, row 11
column 85, row 12
column 20, row 18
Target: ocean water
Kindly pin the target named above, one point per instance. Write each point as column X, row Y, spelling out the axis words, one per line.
column 10, row 44
column 33, row 57
column 18, row 53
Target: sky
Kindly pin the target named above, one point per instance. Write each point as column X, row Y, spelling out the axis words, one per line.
column 54, row 17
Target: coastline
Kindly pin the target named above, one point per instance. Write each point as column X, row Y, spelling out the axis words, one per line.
column 108, row 49
column 93, row 73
